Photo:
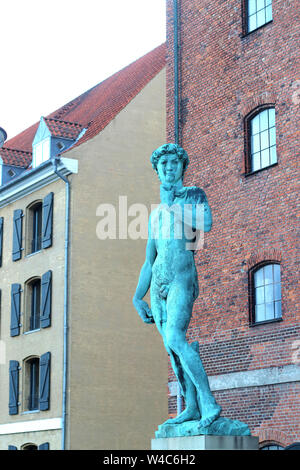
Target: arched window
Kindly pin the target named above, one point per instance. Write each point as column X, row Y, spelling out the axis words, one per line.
column 272, row 446
column 259, row 12
column 31, row 384
column 265, row 286
column 29, row 446
column 260, row 139
column 32, row 310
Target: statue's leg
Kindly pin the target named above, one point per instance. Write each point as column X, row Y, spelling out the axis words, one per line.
column 189, row 392
column 179, row 307
column 158, row 308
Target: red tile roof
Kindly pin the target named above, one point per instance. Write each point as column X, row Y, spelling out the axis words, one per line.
column 97, row 107
column 15, row 157
column 58, row 128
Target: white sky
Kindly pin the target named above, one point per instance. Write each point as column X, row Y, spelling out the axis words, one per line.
column 52, row 51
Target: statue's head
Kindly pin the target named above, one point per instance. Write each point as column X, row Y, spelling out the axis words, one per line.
column 168, row 149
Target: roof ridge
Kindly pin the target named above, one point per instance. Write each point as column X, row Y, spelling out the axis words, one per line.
column 62, row 120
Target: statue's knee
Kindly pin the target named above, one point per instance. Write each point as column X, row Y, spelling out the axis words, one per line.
column 173, row 342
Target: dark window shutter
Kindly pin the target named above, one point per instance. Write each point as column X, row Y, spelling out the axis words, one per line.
column 47, row 221
column 12, row 448
column 17, row 234
column 13, row 387
column 44, row 446
column 15, row 309
column 46, row 299
column 1, row 239
column 45, row 381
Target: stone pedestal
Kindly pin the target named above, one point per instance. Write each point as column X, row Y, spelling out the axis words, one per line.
column 205, row 442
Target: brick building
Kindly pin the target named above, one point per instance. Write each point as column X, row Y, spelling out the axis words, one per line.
column 233, row 67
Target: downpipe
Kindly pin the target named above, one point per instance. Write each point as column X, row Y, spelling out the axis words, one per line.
column 66, row 303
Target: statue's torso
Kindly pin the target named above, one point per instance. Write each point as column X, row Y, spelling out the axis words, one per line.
column 172, row 238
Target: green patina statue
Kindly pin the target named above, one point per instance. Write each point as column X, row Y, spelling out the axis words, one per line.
column 170, row 273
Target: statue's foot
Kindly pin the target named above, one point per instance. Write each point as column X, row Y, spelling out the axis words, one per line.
column 188, row 414
column 210, row 414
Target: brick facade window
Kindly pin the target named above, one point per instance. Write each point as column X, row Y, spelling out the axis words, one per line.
column 265, row 293
column 260, row 139
column 259, row 13
column 272, row 446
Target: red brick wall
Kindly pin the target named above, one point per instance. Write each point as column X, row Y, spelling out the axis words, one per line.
column 223, row 76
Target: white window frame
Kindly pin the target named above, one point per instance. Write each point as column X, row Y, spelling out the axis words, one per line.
column 44, row 146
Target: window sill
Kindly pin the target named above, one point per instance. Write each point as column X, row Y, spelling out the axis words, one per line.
column 31, row 331
column 248, row 33
column 266, row 322
column 260, row 169
column 32, row 254
column 29, row 412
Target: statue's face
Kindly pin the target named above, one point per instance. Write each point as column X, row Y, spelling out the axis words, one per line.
column 169, row 168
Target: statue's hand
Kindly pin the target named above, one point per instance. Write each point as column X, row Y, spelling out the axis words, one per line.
column 143, row 310
column 167, row 194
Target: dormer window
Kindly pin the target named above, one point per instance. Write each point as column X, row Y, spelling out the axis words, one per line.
column 53, row 136
column 41, row 152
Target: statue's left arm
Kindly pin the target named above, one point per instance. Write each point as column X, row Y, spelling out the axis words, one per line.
column 196, row 197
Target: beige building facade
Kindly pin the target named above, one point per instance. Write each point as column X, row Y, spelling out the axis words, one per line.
column 99, row 371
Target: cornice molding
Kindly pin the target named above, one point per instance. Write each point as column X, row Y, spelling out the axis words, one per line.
column 35, row 179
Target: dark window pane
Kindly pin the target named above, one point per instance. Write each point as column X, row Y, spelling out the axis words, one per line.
column 33, row 400
column 37, row 228
column 35, row 305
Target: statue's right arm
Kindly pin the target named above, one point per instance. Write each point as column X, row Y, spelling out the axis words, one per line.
column 145, row 281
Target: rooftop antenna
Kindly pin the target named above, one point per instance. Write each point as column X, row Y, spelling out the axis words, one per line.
column 3, row 137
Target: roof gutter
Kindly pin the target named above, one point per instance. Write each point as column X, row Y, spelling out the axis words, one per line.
column 66, row 302
column 176, row 81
